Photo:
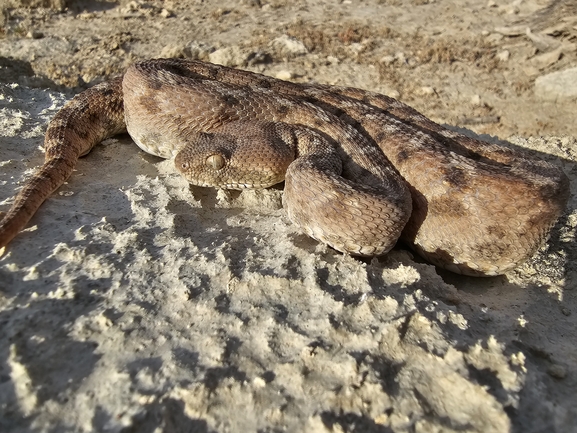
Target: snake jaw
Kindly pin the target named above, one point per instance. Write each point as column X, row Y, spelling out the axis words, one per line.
column 239, row 155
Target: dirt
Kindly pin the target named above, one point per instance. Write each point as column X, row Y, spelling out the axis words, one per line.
column 465, row 63
column 136, row 303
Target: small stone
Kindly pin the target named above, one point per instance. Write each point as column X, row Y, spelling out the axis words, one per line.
column 400, row 57
column 172, row 52
column 165, row 13
column 521, row 321
column 557, row 85
column 284, row 75
column 557, row 371
column 426, row 91
column 285, row 45
column 130, row 7
column 511, row 31
column 197, row 50
column 531, row 71
column 513, row 10
column 493, row 38
column 387, row 60
column 545, row 60
column 565, row 311
column 34, row 34
column 476, row 100
column 543, row 42
column 259, row 382
column 228, row 56
column 504, row 55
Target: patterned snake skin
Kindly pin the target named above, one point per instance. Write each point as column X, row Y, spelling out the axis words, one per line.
column 361, row 169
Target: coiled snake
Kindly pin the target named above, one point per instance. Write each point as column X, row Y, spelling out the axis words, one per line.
column 361, row 169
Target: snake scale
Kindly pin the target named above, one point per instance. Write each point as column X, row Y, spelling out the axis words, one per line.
column 361, row 169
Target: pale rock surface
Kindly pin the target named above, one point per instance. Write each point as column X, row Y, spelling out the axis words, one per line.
column 557, row 85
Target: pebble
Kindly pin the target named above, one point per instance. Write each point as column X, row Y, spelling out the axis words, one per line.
column 504, row 55
column 34, row 34
column 542, row 42
column 426, row 91
column 284, row 75
column 476, row 100
column 228, row 56
column 557, row 85
column 172, row 52
column 387, row 60
column 287, row 46
column 545, row 60
column 493, row 38
column 557, row 371
column 197, row 50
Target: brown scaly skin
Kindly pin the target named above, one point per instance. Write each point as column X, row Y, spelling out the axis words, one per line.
column 85, row 121
column 362, row 213
column 477, row 208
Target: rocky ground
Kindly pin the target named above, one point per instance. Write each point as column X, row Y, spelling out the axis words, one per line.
column 136, row 303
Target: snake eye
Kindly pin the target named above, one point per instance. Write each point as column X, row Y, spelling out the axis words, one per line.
column 215, row 161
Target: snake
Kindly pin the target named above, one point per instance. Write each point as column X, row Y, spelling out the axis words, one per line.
column 362, row 170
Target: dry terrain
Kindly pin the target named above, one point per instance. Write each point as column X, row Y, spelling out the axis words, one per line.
column 135, row 303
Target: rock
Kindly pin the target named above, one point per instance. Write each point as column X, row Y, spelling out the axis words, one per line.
column 197, row 50
column 172, row 51
column 493, row 38
column 511, row 31
column 284, row 75
column 542, row 42
column 34, row 34
column 165, row 13
column 285, row 46
column 228, row 56
column 142, row 9
column 557, row 371
column 387, row 60
column 557, row 85
column 425, row 91
column 545, row 60
column 333, row 60
column 58, row 5
column 504, row 55
column 476, row 100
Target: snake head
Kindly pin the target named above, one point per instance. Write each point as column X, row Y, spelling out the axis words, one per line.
column 235, row 157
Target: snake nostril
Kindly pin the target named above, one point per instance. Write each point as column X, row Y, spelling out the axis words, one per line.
column 215, row 161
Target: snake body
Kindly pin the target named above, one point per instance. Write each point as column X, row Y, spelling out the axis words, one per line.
column 361, row 169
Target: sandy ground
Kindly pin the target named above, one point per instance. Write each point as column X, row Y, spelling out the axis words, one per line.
column 135, row 303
